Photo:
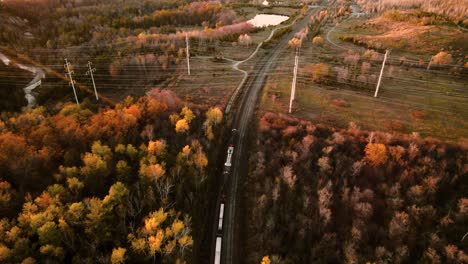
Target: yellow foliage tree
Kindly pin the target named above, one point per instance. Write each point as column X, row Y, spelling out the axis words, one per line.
column 118, row 255
column 200, row 159
column 214, row 116
column 138, row 244
column 209, row 132
column 154, row 172
column 185, row 151
column 376, row 154
column 442, row 58
column 157, row 148
column 4, row 252
column 295, row 43
column 317, row 41
column 266, row 260
column 177, row 227
column 187, row 114
column 94, row 165
column 170, row 246
column 185, row 241
column 182, row 126
column 159, row 235
column 320, row 71
column 174, row 118
column 153, row 221
column 154, row 242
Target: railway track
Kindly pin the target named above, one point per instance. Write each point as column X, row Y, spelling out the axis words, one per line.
column 227, row 239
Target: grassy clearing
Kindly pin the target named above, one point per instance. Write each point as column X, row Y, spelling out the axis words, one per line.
column 210, row 83
column 240, row 52
column 409, row 31
column 411, row 99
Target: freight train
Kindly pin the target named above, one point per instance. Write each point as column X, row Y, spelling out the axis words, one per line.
column 222, row 202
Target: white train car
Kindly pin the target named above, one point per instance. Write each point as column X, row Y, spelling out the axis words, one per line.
column 221, row 217
column 219, row 233
column 229, row 156
column 217, row 258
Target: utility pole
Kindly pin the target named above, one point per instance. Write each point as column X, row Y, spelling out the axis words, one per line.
column 381, row 73
column 90, row 72
column 427, row 71
column 187, row 52
column 72, row 82
column 293, row 86
column 430, row 62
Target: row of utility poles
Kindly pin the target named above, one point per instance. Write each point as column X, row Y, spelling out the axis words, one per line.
column 296, row 65
column 70, row 73
column 91, row 70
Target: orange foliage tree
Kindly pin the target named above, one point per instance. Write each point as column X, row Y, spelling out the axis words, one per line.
column 376, row 154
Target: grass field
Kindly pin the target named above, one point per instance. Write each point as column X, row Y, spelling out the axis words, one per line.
column 410, row 35
column 411, row 99
column 210, row 82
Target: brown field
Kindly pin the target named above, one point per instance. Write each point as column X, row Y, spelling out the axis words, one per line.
column 411, row 99
column 405, row 31
column 210, row 82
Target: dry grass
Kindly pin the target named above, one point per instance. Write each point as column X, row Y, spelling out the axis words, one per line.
column 211, row 83
column 405, row 31
column 457, row 10
column 340, row 103
column 418, row 114
column 411, row 104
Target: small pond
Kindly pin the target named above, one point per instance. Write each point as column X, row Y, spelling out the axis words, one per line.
column 265, row 20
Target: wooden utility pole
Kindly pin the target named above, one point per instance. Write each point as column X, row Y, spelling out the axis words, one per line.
column 293, row 86
column 72, row 82
column 90, row 72
column 381, row 73
column 430, row 62
column 187, row 52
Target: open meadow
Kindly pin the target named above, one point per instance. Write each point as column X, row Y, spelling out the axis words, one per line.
column 412, row 98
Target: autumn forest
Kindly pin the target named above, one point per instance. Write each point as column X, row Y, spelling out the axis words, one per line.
column 233, row 131
column 82, row 186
